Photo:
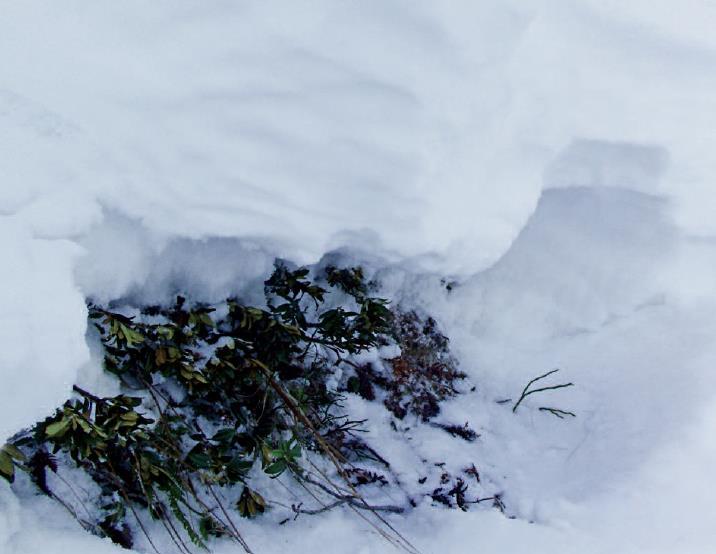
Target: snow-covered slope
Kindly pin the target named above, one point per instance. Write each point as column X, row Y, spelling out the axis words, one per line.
column 555, row 157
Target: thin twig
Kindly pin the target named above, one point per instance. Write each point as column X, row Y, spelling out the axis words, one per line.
column 92, row 397
column 559, row 413
column 87, row 526
column 169, row 526
column 166, row 522
column 399, row 539
column 349, row 499
column 526, row 392
column 139, row 520
column 231, row 522
column 74, row 493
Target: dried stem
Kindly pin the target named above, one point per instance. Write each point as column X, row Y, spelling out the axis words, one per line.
column 526, row 392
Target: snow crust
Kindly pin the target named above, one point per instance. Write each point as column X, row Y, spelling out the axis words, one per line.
column 555, row 158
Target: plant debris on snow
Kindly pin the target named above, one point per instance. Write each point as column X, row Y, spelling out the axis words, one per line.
column 216, row 396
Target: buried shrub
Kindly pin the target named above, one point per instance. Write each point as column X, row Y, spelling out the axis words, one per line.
column 217, row 395
column 219, row 399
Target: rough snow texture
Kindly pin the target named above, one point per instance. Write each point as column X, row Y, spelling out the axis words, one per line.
column 142, row 143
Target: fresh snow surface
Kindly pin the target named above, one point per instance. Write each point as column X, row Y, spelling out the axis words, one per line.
column 554, row 158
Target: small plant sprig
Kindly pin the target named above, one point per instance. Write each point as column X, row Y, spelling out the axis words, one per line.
column 527, row 391
column 10, row 455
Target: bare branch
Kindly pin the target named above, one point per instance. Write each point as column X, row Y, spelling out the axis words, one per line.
column 526, row 392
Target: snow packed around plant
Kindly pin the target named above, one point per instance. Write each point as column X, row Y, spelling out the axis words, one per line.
column 538, row 176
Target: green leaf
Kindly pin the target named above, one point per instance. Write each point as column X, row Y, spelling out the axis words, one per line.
column 250, row 503
column 237, row 468
column 224, row 435
column 58, row 429
column 160, row 356
column 166, row 332
column 276, row 468
column 130, row 417
column 266, row 457
column 86, row 427
column 295, row 451
column 7, row 468
column 132, row 337
column 198, row 458
column 185, row 523
column 12, row 451
column 208, row 526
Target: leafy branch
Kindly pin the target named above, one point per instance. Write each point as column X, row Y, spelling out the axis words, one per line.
column 255, row 378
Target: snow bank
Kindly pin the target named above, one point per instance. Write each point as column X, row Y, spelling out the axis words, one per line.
column 593, row 285
column 42, row 324
column 144, row 143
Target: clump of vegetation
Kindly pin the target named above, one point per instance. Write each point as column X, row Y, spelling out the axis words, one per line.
column 420, row 378
column 215, row 396
column 219, row 399
column 216, row 392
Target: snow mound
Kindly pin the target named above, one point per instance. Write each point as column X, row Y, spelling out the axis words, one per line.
column 147, row 148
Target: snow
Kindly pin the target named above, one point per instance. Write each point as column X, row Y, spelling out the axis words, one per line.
column 42, row 324
column 555, row 158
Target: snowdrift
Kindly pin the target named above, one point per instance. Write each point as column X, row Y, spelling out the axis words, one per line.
column 556, row 160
